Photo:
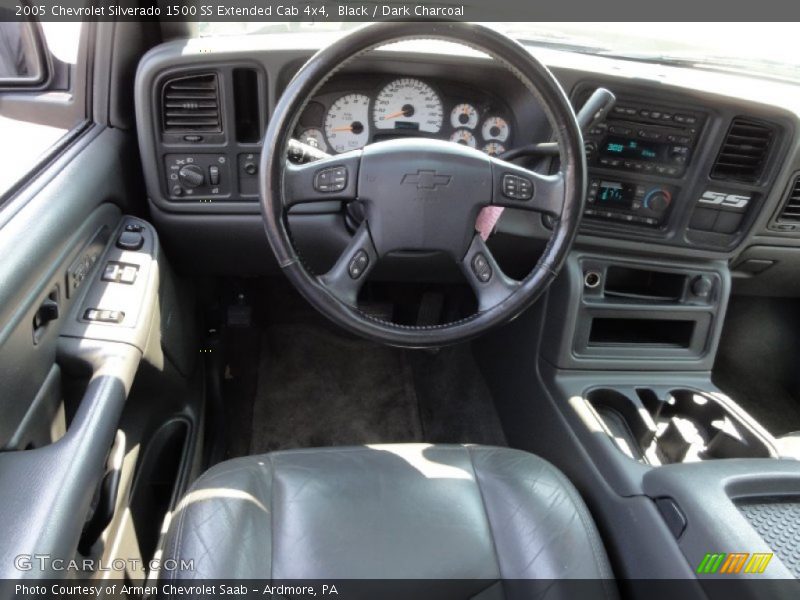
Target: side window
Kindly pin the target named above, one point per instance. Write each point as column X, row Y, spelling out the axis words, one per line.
column 42, row 94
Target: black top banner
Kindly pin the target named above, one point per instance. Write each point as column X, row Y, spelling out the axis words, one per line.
column 323, row 11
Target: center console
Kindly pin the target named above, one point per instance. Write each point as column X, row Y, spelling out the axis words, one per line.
column 610, row 379
column 627, row 349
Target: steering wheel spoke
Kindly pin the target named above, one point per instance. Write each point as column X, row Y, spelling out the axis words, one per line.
column 331, row 178
column 346, row 278
column 517, row 187
column 490, row 284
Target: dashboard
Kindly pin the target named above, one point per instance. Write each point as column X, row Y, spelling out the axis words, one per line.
column 689, row 164
column 354, row 111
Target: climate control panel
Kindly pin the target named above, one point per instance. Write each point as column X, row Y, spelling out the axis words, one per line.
column 628, row 201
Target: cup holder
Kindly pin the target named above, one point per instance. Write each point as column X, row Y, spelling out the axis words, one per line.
column 681, row 425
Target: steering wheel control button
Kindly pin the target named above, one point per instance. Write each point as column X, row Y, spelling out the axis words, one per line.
column 358, row 264
column 130, row 240
column 481, row 268
column 516, row 187
column 333, row 179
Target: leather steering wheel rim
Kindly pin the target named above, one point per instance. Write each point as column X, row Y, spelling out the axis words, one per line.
column 321, row 292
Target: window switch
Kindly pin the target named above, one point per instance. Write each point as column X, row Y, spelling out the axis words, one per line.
column 128, row 274
column 111, row 272
column 117, row 272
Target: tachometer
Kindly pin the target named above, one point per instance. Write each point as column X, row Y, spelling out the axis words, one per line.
column 465, row 137
column 495, row 128
column 464, row 115
column 347, row 123
column 408, row 103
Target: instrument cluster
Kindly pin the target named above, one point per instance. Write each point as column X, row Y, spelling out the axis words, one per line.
column 337, row 122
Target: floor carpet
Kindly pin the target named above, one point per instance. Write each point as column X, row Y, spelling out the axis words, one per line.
column 320, row 387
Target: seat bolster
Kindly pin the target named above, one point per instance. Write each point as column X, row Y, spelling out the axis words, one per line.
column 540, row 525
column 224, row 523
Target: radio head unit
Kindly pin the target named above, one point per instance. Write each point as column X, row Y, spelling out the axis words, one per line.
column 637, row 137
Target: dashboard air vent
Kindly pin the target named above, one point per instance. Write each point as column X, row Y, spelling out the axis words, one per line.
column 191, row 104
column 791, row 208
column 744, row 151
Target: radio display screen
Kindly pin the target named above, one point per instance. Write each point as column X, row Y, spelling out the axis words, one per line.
column 634, row 149
column 616, row 194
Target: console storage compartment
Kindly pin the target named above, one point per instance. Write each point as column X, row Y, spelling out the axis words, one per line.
column 665, row 333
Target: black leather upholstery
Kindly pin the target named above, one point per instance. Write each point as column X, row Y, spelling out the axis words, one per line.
column 395, row 511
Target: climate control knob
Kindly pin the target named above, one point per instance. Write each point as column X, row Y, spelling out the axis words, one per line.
column 191, row 176
column 657, row 200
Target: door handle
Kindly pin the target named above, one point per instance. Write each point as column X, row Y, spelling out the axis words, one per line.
column 47, row 312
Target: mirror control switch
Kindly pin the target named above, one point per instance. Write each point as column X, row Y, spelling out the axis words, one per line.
column 130, row 240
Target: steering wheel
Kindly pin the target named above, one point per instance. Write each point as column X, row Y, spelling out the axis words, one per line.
column 421, row 194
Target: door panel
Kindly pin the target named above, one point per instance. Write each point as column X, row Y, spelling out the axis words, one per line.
column 39, row 243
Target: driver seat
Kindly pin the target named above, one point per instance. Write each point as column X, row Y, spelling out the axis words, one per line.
column 406, row 511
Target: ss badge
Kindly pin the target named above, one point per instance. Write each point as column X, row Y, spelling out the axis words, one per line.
column 724, row 200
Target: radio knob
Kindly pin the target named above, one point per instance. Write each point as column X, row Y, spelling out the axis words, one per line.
column 191, row 176
column 657, row 200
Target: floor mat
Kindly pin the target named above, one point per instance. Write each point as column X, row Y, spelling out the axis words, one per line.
column 756, row 361
column 318, row 387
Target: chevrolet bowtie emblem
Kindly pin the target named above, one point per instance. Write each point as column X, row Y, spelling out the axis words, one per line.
column 426, row 180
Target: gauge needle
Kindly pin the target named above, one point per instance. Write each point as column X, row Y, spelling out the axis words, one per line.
column 348, row 128
column 399, row 113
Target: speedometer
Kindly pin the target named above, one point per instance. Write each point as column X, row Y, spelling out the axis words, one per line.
column 408, row 103
column 347, row 123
